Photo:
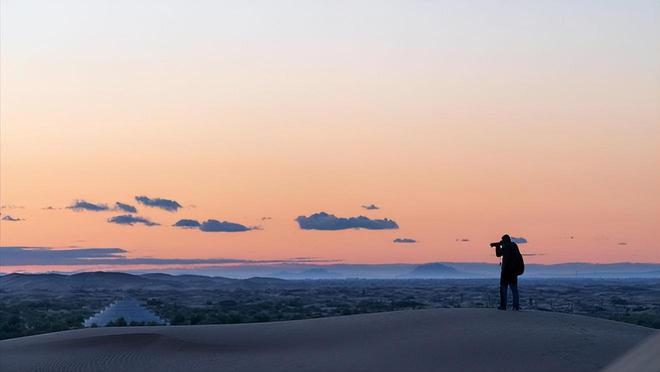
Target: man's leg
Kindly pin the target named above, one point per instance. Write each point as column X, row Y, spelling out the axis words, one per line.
column 514, row 291
column 503, row 290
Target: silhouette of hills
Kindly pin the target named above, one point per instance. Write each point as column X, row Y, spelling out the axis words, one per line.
column 124, row 281
column 474, row 270
column 255, row 276
column 433, row 270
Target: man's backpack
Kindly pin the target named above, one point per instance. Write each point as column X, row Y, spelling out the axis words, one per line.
column 519, row 267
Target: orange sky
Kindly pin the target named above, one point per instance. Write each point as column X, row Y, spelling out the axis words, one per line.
column 459, row 121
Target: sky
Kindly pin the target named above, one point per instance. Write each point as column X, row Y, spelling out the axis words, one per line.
column 460, row 121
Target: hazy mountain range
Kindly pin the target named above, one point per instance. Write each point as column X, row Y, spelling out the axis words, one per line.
column 439, row 270
column 426, row 270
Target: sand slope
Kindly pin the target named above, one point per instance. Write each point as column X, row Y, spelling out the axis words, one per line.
column 643, row 358
column 423, row 340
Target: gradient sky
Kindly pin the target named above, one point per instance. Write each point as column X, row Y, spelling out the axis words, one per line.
column 459, row 119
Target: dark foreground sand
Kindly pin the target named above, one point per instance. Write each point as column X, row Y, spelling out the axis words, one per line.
column 643, row 358
column 423, row 340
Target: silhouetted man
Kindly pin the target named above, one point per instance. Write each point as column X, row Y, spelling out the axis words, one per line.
column 512, row 266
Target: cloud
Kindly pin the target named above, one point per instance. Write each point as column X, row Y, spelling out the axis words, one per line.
column 463, row 240
column 404, row 240
column 12, row 206
column 49, row 208
column 325, row 221
column 533, row 254
column 16, row 256
column 222, row 226
column 212, row 225
column 187, row 224
column 45, row 256
column 370, row 207
column 519, row 240
column 620, row 243
column 11, row 219
column 266, row 218
column 81, row 205
column 130, row 220
column 125, row 207
column 166, row 204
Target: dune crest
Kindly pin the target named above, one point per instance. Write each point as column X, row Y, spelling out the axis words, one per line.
column 420, row 340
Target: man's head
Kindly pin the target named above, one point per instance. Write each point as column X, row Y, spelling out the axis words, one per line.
column 506, row 238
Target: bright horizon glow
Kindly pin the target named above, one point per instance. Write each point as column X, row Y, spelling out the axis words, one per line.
column 459, row 120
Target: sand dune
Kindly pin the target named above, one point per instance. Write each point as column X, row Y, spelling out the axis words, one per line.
column 643, row 358
column 423, row 340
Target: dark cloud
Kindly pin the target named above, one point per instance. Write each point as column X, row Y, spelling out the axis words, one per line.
column 266, row 218
column 518, row 240
column 130, row 220
column 213, row 226
column 404, row 240
column 17, row 256
column 11, row 219
column 622, row 243
column 222, row 226
column 42, row 256
column 463, row 240
column 81, row 205
column 166, row 204
column 187, row 224
column 125, row 207
column 370, row 207
column 325, row 221
column 49, row 208
column 533, row 254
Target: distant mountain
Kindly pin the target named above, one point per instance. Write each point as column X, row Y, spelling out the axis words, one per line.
column 591, row 270
column 313, row 273
column 318, row 273
column 87, row 280
column 474, row 270
column 123, row 281
column 238, row 276
column 433, row 270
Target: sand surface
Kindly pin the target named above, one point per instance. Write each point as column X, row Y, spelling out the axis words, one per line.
column 643, row 358
column 422, row 340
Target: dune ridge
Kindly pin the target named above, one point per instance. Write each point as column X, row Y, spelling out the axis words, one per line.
column 419, row 340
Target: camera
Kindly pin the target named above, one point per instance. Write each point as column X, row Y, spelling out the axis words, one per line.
column 497, row 244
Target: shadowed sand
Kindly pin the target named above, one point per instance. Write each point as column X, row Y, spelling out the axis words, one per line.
column 643, row 358
column 422, row 340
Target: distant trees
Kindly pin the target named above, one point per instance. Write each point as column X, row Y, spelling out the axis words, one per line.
column 13, row 325
column 178, row 319
column 121, row 322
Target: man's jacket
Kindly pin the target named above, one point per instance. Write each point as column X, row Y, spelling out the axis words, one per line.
column 511, row 258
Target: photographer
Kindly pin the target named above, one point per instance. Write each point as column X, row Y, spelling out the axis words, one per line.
column 512, row 266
